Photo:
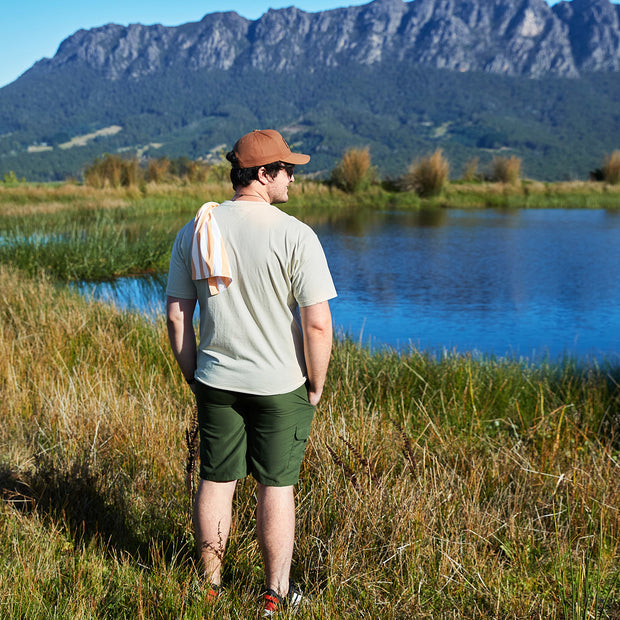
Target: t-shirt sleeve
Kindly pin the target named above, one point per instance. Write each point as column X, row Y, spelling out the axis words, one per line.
column 180, row 283
column 310, row 276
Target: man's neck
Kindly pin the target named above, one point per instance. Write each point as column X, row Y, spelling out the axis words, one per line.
column 251, row 193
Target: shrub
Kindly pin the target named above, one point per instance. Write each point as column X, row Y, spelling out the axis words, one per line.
column 197, row 171
column 113, row 171
column 157, row 170
column 427, row 176
column 93, row 174
column 470, row 170
column 506, row 169
column 130, row 172
column 354, row 171
column 611, row 168
column 10, row 178
column 219, row 166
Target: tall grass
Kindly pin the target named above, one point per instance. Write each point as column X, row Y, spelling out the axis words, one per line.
column 470, row 170
column 76, row 232
column 427, row 176
column 110, row 170
column 432, row 487
column 26, row 204
column 99, row 252
column 158, row 170
column 611, row 168
column 506, row 169
column 354, row 172
column 116, row 171
column 533, row 195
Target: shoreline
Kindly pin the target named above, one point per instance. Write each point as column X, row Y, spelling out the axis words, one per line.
column 308, row 193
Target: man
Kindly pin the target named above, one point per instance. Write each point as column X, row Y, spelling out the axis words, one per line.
column 262, row 284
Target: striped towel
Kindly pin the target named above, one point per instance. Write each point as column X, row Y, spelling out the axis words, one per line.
column 209, row 258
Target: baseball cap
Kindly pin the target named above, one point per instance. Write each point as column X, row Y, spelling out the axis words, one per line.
column 265, row 146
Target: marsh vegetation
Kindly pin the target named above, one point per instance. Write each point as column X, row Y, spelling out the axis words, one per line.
column 434, row 487
column 431, row 487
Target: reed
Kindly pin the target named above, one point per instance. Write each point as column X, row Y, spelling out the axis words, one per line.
column 158, row 170
column 114, row 171
column 611, row 168
column 99, row 252
column 354, row 173
column 470, row 170
column 78, row 232
column 506, row 170
column 105, row 171
column 433, row 487
column 532, row 195
column 427, row 176
column 310, row 199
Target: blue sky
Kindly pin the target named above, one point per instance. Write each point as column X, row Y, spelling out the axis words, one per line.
column 33, row 29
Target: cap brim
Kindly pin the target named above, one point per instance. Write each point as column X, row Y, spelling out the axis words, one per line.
column 296, row 158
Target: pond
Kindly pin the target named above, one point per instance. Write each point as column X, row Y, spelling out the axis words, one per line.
column 517, row 283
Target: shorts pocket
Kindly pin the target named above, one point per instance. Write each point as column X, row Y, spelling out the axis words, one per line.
column 298, row 449
column 302, row 432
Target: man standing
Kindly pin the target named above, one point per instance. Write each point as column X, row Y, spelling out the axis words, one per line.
column 262, row 284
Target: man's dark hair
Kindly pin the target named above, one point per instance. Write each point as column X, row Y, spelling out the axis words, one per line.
column 242, row 177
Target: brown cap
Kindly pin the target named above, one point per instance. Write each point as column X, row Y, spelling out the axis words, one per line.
column 265, row 146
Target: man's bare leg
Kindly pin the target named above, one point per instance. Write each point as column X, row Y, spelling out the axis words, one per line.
column 275, row 529
column 212, row 518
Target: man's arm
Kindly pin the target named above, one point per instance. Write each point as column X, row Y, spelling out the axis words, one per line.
column 316, row 322
column 179, row 315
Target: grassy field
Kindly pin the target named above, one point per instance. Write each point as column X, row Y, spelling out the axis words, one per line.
column 76, row 232
column 432, row 488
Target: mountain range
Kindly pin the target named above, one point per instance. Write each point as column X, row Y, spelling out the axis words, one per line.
column 473, row 77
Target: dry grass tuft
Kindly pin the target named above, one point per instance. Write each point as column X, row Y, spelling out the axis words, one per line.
column 506, row 170
column 354, row 172
column 470, row 170
column 427, row 176
column 611, row 168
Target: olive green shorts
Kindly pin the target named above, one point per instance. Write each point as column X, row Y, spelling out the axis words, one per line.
column 243, row 434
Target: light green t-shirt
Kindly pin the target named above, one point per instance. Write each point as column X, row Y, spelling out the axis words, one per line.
column 250, row 334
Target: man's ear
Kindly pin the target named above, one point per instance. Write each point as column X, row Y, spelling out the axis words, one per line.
column 263, row 177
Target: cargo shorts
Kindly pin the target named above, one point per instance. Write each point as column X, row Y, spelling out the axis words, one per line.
column 248, row 434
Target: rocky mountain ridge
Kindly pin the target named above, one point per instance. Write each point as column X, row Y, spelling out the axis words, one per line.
column 510, row 37
column 476, row 78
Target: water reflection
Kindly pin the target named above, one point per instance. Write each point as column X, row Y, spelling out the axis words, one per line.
column 516, row 282
column 364, row 222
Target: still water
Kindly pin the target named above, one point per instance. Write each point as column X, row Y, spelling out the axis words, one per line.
column 519, row 283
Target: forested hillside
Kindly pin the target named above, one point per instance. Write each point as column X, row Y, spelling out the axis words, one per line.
column 329, row 81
